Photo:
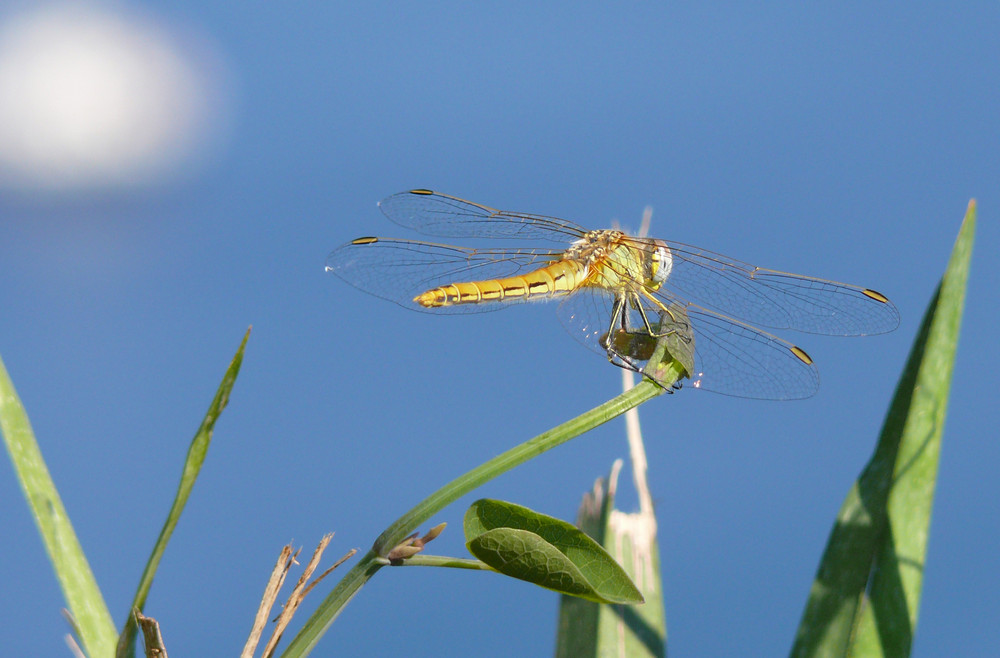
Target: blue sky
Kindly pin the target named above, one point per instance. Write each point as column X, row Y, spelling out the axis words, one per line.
column 842, row 142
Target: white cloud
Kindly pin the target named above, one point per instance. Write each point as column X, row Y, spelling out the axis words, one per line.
column 96, row 98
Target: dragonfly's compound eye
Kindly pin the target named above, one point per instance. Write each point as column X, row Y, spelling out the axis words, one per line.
column 663, row 262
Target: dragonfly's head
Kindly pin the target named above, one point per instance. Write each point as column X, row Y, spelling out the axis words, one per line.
column 659, row 263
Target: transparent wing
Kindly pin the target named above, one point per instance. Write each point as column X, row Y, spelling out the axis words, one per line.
column 718, row 299
column 432, row 213
column 777, row 300
column 758, row 296
column 399, row 270
column 737, row 359
column 730, row 357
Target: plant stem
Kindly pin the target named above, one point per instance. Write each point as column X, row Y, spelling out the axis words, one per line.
column 504, row 462
column 440, row 561
column 348, row 587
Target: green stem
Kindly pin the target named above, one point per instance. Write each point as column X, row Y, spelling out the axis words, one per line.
column 347, row 588
column 439, row 561
column 504, row 462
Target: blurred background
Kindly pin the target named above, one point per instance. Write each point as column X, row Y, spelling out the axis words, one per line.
column 171, row 173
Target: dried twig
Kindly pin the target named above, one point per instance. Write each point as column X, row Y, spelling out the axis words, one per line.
column 299, row 592
column 74, row 648
column 151, row 635
column 274, row 583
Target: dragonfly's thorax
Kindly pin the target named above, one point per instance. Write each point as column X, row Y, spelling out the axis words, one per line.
column 594, row 246
column 616, row 261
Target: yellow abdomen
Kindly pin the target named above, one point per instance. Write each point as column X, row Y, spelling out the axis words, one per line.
column 559, row 278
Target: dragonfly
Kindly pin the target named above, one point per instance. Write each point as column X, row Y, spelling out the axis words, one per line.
column 622, row 296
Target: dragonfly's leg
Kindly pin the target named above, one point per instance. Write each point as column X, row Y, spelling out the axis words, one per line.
column 668, row 326
column 621, row 307
column 649, row 325
column 619, row 322
column 623, row 360
column 678, row 323
column 658, row 332
column 630, row 347
column 616, row 314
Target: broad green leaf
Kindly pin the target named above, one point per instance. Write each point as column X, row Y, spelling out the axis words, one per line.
column 866, row 595
column 546, row 551
column 192, row 466
column 91, row 619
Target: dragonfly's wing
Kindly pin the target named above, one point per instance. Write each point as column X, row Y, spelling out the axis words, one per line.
column 729, row 357
column 737, row 359
column 775, row 299
column 399, row 270
column 586, row 315
column 432, row 213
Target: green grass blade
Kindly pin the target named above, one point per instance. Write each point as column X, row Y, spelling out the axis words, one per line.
column 91, row 618
column 866, row 595
column 192, row 465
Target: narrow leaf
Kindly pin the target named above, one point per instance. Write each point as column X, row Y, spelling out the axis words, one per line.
column 192, row 466
column 546, row 551
column 866, row 595
column 591, row 629
column 90, row 615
